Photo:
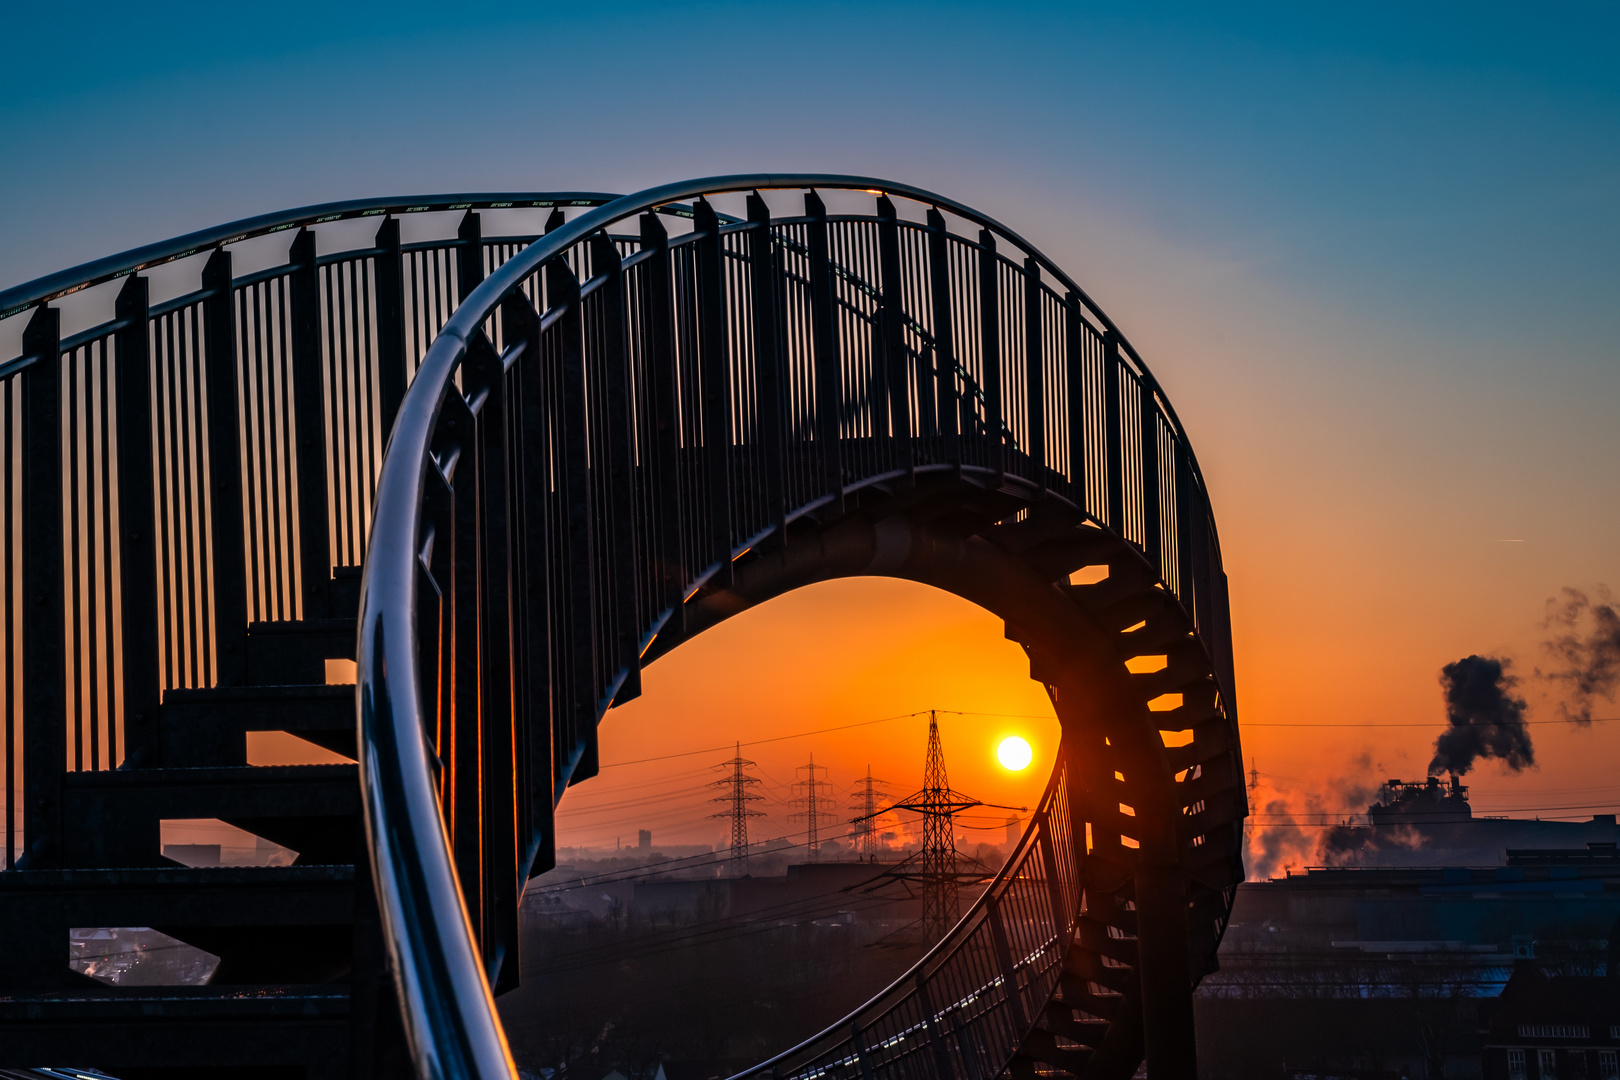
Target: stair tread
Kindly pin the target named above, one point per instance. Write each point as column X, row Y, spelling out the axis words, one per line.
column 214, row 774
column 176, row 877
column 303, row 626
column 295, row 998
column 274, row 692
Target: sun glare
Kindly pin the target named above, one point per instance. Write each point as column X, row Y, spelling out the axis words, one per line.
column 1014, row 753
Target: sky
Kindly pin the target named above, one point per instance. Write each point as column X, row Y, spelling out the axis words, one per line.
column 1370, row 251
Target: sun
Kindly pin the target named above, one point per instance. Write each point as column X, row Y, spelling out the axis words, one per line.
column 1014, row 753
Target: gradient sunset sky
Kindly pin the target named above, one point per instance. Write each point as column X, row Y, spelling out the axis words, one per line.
column 1372, row 253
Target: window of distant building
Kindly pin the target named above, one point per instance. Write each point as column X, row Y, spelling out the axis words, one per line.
column 1577, row 1065
column 1515, row 1065
column 1608, row 1065
column 1554, row 1031
column 1547, row 1063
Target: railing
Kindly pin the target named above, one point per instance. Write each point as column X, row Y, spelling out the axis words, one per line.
column 191, row 465
column 610, row 419
column 963, row 1010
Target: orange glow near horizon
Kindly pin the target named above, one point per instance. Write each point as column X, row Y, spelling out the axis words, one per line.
column 868, row 657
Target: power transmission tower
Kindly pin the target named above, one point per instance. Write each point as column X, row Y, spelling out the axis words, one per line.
column 737, row 800
column 816, row 802
column 935, row 867
column 868, row 796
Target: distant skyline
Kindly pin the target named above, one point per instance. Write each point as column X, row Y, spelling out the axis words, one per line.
column 1371, row 252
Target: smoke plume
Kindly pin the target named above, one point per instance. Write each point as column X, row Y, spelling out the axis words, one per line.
column 1484, row 719
column 1280, row 841
column 1287, row 834
column 1586, row 641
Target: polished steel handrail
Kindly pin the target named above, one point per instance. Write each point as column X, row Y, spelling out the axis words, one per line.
column 1051, row 839
column 438, row 958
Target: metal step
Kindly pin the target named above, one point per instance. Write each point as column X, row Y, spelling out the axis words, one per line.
column 182, row 1027
column 312, row 809
column 208, row 727
column 267, row 924
column 288, row 653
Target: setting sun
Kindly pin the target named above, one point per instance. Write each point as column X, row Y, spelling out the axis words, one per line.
column 1014, row 753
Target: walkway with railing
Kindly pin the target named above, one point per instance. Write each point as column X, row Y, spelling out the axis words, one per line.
column 602, row 436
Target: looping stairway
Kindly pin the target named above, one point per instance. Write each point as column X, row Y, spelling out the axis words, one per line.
column 599, row 442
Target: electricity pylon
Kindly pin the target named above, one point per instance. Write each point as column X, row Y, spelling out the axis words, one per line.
column 868, row 796
column 935, row 867
column 737, row 800
column 816, row 801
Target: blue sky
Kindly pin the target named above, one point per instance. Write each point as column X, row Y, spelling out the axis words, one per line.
column 1372, row 250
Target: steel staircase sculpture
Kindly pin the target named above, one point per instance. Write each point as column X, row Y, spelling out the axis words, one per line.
column 625, row 430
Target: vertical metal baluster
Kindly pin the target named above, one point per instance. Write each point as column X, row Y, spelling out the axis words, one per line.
column 1113, row 436
column 520, row 323
column 163, row 471
column 44, row 664
column 936, row 1039
column 280, row 449
column 465, row 807
column 225, row 472
column 189, row 510
column 309, row 427
column 340, row 451
column 470, row 255
column 990, row 346
column 250, row 321
column 109, row 417
column 1151, row 504
column 1035, row 361
column 858, row 1045
column 620, row 434
column 9, row 458
column 1075, row 329
column 91, row 485
column 483, row 371
column 1187, row 511
column 373, row 444
column 562, row 289
column 715, row 379
column 770, row 376
column 95, row 527
column 939, row 284
column 663, row 462
column 388, row 270
column 72, row 402
column 824, row 345
column 439, row 603
column 891, row 335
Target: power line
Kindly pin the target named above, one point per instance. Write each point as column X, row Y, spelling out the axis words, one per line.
column 823, row 731
column 739, row 798
column 1442, row 726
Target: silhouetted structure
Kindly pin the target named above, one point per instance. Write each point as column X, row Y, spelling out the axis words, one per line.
column 738, row 810
column 816, row 802
column 868, row 796
column 1552, row 1027
column 936, row 866
column 601, row 440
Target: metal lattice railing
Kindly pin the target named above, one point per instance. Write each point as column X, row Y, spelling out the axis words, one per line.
column 196, row 463
column 964, row 1008
column 616, row 414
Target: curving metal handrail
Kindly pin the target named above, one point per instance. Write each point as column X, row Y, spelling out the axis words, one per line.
column 54, row 286
column 964, row 1007
column 607, row 422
